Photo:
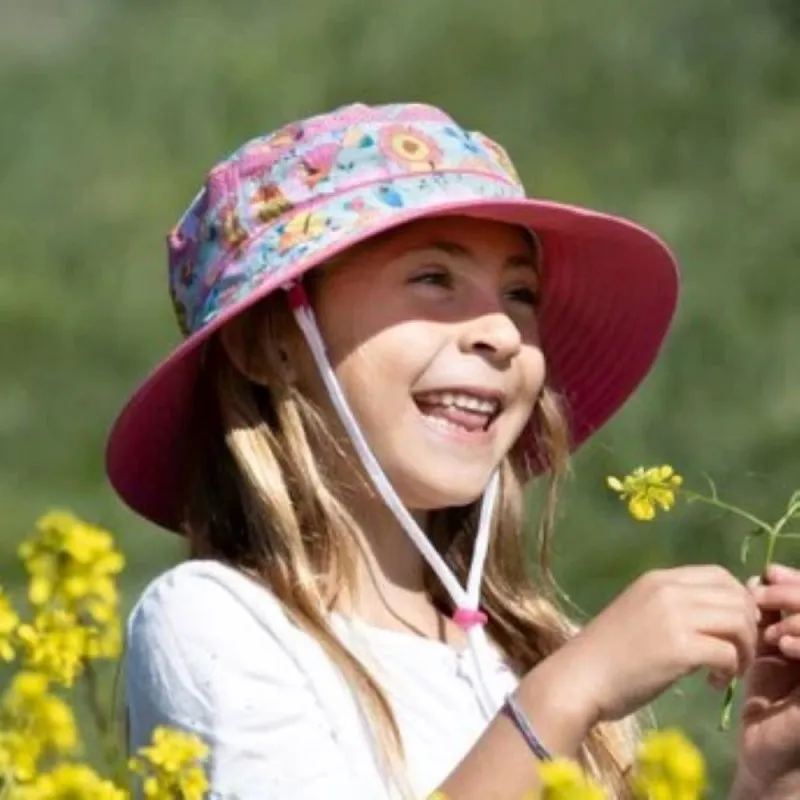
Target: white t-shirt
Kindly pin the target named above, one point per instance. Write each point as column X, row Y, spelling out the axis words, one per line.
column 212, row 652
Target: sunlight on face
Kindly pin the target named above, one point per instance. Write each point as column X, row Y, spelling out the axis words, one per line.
column 432, row 333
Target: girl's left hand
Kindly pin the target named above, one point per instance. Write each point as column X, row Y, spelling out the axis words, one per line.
column 769, row 745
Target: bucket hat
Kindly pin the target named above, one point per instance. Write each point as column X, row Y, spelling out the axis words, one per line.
column 286, row 202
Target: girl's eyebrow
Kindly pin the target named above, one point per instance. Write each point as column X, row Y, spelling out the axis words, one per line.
column 459, row 251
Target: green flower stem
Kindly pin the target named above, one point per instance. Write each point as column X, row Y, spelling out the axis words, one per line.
column 727, row 705
column 715, row 501
column 108, row 740
column 6, row 784
column 773, row 533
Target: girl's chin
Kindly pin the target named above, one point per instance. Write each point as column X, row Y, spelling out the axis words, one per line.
column 432, row 495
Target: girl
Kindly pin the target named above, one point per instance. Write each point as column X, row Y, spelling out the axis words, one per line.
column 384, row 340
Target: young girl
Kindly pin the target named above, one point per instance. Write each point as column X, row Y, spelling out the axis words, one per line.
column 384, row 340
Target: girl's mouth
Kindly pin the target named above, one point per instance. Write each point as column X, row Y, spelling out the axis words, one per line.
column 459, row 411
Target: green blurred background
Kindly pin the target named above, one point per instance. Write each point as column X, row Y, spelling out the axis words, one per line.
column 683, row 115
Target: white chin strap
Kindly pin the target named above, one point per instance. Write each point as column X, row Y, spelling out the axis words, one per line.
column 467, row 602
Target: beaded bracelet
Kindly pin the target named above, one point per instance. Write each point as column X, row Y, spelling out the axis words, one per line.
column 512, row 710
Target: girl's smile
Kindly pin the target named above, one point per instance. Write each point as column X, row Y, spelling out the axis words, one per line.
column 461, row 414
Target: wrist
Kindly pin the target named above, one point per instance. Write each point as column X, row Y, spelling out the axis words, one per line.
column 561, row 714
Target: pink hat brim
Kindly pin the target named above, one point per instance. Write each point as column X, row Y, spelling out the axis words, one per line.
column 610, row 293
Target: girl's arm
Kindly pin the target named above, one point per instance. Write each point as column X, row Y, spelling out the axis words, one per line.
column 501, row 765
column 667, row 624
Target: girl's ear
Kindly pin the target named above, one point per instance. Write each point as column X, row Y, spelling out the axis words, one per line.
column 244, row 345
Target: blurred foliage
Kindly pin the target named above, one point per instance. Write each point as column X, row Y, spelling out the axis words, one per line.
column 681, row 115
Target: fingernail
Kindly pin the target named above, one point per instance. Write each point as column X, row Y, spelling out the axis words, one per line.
column 753, row 581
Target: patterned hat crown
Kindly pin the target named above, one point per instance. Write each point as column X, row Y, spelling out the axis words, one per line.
column 314, row 187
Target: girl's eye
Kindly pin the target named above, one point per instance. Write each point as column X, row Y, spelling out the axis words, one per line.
column 525, row 295
column 434, row 277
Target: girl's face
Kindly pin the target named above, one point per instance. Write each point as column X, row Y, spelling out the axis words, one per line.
column 432, row 333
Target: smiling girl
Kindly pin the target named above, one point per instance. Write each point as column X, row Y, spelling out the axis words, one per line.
column 384, row 340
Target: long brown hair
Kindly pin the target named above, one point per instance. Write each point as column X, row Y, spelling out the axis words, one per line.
column 262, row 501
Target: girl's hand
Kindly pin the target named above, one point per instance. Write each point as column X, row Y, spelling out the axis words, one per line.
column 667, row 624
column 769, row 747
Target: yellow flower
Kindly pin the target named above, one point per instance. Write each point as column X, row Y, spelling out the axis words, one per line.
column 26, row 688
column 71, row 563
column 193, row 783
column 8, row 626
column 171, row 764
column 647, row 489
column 70, row 782
column 55, row 645
column 73, row 568
column 34, row 724
column 563, row 779
column 19, row 755
column 669, row 767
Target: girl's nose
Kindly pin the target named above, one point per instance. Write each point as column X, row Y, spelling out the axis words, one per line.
column 494, row 336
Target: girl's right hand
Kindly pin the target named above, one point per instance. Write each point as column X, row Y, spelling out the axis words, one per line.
column 667, row 624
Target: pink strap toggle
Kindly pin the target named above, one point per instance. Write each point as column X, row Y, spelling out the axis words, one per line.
column 467, row 618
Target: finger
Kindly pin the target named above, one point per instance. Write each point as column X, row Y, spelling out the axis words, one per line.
column 732, row 623
column 789, row 626
column 778, row 597
column 721, row 657
column 736, row 599
column 766, row 617
column 780, row 573
column 790, row 646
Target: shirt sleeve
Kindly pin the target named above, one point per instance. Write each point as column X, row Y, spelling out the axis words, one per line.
column 204, row 658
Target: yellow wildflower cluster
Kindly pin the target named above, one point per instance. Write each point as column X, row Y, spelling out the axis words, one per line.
column 72, row 569
column 646, row 490
column 69, row 781
column 669, row 767
column 34, row 724
column 172, row 766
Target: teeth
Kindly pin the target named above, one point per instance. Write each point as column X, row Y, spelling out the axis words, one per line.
column 445, row 424
column 465, row 401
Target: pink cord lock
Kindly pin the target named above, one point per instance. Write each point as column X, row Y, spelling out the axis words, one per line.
column 467, row 618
